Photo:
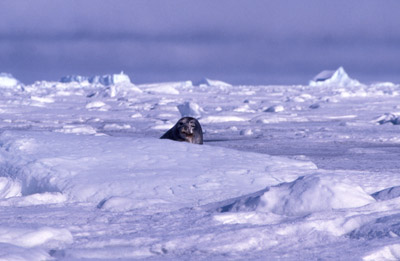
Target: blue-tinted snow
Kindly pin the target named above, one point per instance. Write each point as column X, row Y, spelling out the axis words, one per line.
column 84, row 174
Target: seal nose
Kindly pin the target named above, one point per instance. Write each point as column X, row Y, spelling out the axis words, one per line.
column 188, row 129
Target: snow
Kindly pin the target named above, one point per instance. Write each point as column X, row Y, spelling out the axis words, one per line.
column 84, row 175
column 49, row 168
column 306, row 195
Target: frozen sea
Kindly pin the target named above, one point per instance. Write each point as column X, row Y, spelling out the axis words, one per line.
column 296, row 172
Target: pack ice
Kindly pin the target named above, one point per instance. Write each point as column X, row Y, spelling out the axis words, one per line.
column 306, row 172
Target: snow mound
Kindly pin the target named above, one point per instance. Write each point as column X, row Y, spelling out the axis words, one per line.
column 386, row 194
column 8, row 81
column 34, row 200
column 209, row 82
column 11, row 252
column 50, row 237
column 336, row 78
column 307, row 194
column 106, row 80
column 190, row 109
column 117, row 170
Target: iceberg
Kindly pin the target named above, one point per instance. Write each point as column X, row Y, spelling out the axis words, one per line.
column 106, row 80
column 110, row 79
column 338, row 78
column 209, row 82
column 73, row 78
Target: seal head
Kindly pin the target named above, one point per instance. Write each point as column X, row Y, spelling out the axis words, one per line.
column 186, row 129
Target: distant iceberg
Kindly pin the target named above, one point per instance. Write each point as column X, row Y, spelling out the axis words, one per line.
column 209, row 82
column 106, row 80
column 8, row 81
column 73, row 78
column 337, row 78
column 110, row 79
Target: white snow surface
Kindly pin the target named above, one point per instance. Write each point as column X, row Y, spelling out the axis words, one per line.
column 84, row 175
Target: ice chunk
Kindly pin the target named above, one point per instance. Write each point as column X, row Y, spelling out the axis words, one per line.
column 337, row 78
column 393, row 118
column 209, row 82
column 9, row 188
column 95, row 105
column 275, row 108
column 190, row 109
column 8, row 81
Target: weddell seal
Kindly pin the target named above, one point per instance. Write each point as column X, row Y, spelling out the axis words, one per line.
column 186, row 129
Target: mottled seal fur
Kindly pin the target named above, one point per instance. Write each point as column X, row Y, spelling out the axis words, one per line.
column 186, row 129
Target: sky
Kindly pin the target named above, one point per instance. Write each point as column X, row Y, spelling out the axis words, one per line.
column 241, row 42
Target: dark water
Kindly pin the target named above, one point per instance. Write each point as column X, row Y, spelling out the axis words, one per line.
column 238, row 59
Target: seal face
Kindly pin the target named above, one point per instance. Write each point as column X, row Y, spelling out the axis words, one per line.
column 186, row 129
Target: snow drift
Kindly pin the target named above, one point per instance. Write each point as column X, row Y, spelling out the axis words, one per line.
column 115, row 174
column 307, row 194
